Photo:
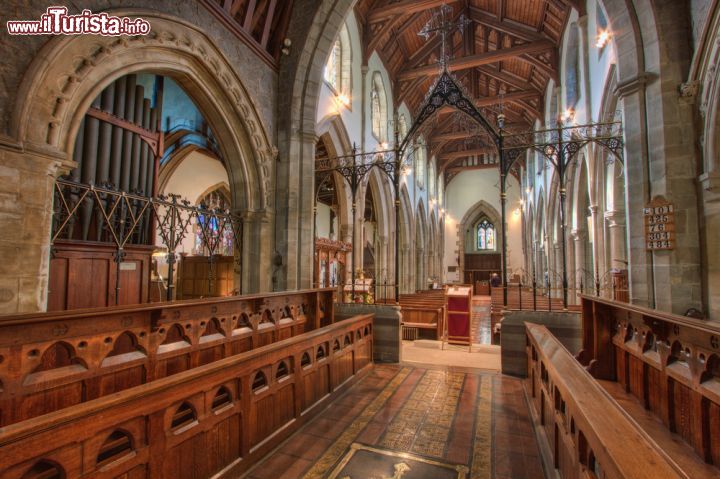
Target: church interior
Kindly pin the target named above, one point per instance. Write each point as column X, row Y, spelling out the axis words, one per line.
column 348, row 239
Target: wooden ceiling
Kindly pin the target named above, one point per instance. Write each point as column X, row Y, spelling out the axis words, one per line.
column 508, row 48
column 261, row 24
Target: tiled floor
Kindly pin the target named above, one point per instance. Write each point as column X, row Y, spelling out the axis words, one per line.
column 417, row 418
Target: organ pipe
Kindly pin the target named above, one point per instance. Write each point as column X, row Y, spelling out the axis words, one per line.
column 89, row 166
column 136, row 150
column 117, row 135
column 105, row 144
column 127, row 134
column 107, row 152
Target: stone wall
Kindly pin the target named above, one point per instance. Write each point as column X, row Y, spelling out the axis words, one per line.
column 386, row 328
column 567, row 327
column 46, row 83
column 19, row 51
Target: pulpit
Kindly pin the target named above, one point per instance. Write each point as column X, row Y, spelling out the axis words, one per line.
column 459, row 311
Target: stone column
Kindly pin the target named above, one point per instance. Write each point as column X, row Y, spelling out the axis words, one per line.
column 580, row 271
column 27, row 180
column 599, row 260
column 616, row 226
column 710, row 183
column 346, row 232
column 406, row 279
column 256, row 275
column 632, row 97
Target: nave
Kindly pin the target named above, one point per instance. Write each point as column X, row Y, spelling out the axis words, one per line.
column 360, row 238
column 440, row 422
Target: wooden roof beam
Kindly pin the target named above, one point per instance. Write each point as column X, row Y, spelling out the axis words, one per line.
column 472, row 61
column 508, row 26
column 405, row 7
column 454, row 155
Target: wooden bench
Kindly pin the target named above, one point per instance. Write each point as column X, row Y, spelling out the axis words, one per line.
column 584, row 431
column 212, row 421
column 423, row 313
column 669, row 363
column 50, row 361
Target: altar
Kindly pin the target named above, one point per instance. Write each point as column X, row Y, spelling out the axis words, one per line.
column 364, row 292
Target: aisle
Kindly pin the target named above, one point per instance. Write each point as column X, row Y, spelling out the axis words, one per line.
column 439, row 423
column 483, row 356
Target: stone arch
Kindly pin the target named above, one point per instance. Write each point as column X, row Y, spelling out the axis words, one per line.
column 482, row 207
column 331, row 131
column 383, row 206
column 407, row 229
column 83, row 66
column 54, row 96
column 421, row 245
column 653, row 52
column 704, row 75
column 301, row 73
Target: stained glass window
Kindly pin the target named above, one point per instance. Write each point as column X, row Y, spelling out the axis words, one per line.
column 378, row 108
column 420, row 161
column 402, row 127
column 332, row 69
column 485, row 236
column 208, row 227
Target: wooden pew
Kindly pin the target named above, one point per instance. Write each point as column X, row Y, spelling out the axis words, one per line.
column 211, row 421
column 424, row 311
column 587, row 432
column 50, row 361
column 669, row 363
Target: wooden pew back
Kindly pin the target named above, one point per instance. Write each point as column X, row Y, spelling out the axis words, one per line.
column 49, row 361
column 215, row 419
column 670, row 363
column 588, row 433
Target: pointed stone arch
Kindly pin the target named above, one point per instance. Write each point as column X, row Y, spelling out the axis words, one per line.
column 69, row 72
column 54, row 96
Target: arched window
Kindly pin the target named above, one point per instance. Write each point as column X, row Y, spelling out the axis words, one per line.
column 209, row 228
column 431, row 178
column 332, row 69
column 485, row 235
column 402, row 126
column 572, row 68
column 378, row 108
column 441, row 190
column 337, row 69
column 420, row 162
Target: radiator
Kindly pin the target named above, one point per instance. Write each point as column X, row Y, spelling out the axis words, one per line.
column 409, row 334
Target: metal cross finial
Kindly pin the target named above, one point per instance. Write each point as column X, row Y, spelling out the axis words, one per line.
column 441, row 23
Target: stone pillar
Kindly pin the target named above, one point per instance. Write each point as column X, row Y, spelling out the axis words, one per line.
column 599, row 260
column 257, row 277
column 294, row 201
column 632, row 97
column 580, row 270
column 346, row 232
column 27, row 180
column 710, row 183
column 616, row 227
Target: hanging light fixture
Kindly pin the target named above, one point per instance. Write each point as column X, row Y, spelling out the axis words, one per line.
column 501, row 115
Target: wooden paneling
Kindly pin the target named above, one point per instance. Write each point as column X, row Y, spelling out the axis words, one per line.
column 49, row 361
column 86, row 275
column 194, row 273
column 196, row 423
column 585, row 428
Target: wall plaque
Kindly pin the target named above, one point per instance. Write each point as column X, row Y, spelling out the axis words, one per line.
column 659, row 225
